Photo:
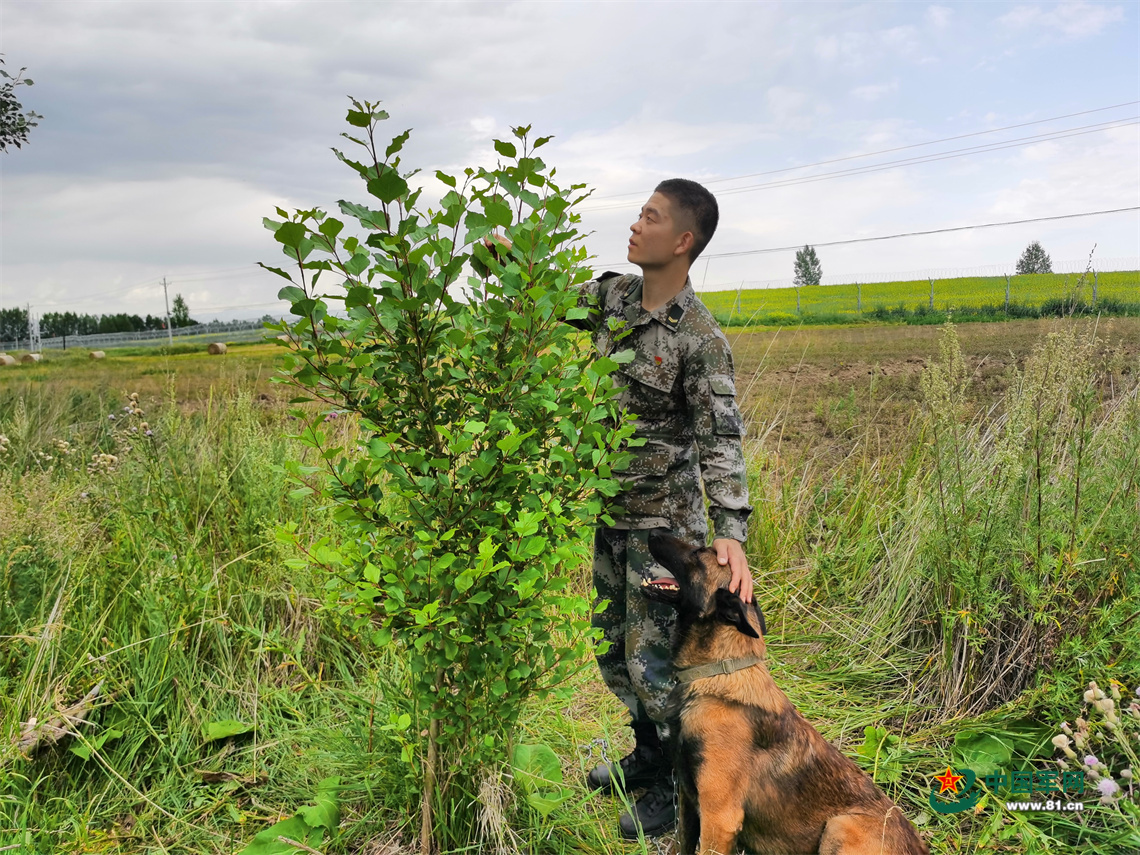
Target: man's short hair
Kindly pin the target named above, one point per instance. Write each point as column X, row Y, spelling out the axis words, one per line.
column 694, row 199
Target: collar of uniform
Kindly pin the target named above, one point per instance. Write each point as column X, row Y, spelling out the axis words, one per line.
column 669, row 314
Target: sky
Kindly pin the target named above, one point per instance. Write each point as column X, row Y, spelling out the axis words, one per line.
column 170, row 129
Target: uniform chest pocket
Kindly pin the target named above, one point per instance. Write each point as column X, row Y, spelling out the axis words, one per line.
column 727, row 420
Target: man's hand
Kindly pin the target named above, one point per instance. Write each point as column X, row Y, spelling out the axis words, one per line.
column 503, row 245
column 730, row 552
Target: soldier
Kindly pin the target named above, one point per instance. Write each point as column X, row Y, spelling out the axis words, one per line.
column 680, row 385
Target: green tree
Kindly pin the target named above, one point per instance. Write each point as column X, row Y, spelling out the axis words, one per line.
column 13, row 324
column 180, row 316
column 14, row 122
column 808, row 270
column 1034, row 260
column 487, row 441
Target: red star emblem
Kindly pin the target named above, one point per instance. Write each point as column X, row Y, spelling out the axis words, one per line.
column 949, row 781
column 657, row 359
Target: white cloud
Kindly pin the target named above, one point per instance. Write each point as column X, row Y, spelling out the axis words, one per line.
column 1067, row 176
column 939, row 16
column 1072, row 20
column 874, row 92
column 786, row 103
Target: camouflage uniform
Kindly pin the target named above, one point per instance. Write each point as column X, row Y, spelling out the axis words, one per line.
column 680, row 385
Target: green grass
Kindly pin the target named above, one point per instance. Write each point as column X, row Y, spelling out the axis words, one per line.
column 979, row 298
column 159, row 576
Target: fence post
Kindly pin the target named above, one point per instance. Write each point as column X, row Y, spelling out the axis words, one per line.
column 1007, row 293
column 738, row 290
column 931, row 293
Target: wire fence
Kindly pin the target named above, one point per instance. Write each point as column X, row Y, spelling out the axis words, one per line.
column 229, row 331
column 960, row 293
column 1073, row 266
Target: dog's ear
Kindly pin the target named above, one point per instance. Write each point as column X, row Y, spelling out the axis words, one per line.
column 730, row 609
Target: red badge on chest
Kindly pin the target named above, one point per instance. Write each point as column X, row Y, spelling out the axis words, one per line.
column 657, row 359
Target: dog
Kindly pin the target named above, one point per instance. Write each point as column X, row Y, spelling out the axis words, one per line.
column 751, row 772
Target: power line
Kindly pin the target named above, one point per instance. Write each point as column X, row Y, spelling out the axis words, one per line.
column 912, row 161
column 894, row 236
column 887, row 150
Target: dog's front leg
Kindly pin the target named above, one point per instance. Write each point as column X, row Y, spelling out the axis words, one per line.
column 720, row 826
column 688, row 824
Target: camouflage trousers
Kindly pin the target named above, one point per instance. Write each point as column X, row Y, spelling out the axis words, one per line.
column 638, row 666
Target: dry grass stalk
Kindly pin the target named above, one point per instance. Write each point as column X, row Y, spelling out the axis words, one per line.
column 36, row 736
column 216, row 348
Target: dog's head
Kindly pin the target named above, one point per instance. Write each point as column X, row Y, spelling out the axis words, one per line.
column 699, row 586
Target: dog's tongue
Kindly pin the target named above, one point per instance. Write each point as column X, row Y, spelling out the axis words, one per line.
column 666, row 584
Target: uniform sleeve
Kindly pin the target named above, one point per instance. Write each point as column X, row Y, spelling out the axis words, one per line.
column 592, row 296
column 711, row 394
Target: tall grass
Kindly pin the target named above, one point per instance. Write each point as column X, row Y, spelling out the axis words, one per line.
column 967, row 574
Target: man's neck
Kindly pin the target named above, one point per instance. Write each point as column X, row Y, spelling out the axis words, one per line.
column 662, row 284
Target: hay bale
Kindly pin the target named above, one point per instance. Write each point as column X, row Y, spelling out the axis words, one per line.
column 31, row 357
column 5, row 359
column 96, row 354
column 216, row 348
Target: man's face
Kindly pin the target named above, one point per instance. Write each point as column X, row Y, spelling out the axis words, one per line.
column 659, row 235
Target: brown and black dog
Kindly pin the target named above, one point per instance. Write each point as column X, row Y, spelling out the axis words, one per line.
column 751, row 772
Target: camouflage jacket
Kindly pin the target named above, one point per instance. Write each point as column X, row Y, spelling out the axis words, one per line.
column 680, row 385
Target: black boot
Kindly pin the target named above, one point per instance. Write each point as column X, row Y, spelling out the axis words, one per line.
column 655, row 812
column 644, row 765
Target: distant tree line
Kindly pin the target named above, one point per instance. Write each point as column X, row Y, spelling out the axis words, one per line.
column 14, row 323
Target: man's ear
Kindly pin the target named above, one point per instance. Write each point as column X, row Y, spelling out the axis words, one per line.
column 684, row 245
column 730, row 609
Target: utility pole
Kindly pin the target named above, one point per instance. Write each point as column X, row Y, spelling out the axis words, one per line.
column 33, row 331
column 166, row 297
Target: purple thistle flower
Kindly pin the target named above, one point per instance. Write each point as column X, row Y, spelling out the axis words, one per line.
column 150, row 433
column 111, row 416
column 1091, row 761
column 1107, row 787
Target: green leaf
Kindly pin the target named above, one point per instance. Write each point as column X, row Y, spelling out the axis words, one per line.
column 397, row 143
column 547, row 802
column 95, row 742
column 446, row 179
column 358, row 119
column 498, row 213
column 266, row 841
column 325, row 812
column 291, row 234
column 291, row 293
column 331, row 227
column 388, row 187
column 225, row 728
column 536, row 767
column 506, row 149
column 984, row 752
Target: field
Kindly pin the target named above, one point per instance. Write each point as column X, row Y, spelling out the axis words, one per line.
column 846, row 303
column 943, row 536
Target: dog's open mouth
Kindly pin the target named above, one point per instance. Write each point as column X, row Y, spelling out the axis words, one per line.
column 663, row 590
